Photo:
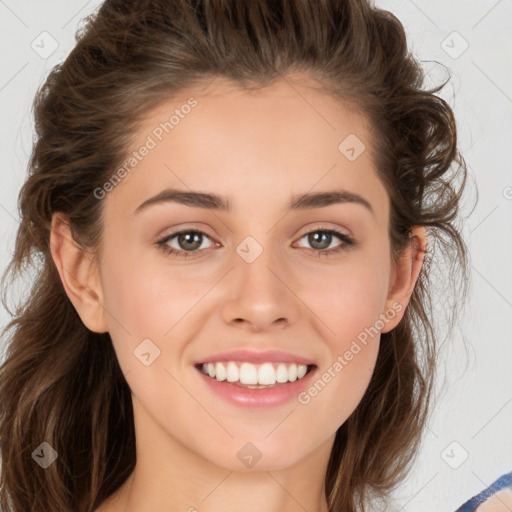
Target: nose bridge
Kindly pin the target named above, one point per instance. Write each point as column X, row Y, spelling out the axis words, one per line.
column 255, row 262
column 260, row 295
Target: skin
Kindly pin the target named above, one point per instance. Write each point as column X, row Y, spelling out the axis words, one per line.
column 499, row 502
column 258, row 149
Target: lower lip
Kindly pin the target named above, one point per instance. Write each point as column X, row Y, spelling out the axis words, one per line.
column 258, row 398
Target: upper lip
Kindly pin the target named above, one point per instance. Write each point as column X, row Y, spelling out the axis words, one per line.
column 261, row 356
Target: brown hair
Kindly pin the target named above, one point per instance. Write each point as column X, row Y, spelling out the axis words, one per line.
column 60, row 382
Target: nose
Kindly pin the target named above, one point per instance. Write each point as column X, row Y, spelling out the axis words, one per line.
column 260, row 295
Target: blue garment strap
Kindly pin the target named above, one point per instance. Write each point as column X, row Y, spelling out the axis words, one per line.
column 503, row 482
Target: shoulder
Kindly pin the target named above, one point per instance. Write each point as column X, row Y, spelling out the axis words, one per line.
column 498, row 502
column 495, row 498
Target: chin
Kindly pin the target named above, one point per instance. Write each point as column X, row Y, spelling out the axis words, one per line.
column 256, row 456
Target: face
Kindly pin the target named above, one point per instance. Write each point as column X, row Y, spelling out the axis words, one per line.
column 259, row 272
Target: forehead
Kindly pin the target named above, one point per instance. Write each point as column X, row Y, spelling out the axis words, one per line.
column 277, row 141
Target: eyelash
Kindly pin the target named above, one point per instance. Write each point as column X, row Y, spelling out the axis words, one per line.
column 347, row 244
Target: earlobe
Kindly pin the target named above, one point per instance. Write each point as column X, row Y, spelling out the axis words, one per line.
column 79, row 274
column 405, row 275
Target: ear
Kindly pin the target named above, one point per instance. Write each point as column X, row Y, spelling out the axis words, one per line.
column 405, row 272
column 79, row 274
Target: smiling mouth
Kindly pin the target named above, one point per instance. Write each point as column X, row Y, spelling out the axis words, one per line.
column 255, row 376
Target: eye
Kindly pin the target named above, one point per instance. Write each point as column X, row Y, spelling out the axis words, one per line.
column 321, row 238
column 189, row 241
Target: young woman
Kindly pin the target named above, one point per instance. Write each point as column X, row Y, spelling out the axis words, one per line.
column 234, row 210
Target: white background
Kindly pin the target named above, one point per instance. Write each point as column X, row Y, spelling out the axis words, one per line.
column 475, row 408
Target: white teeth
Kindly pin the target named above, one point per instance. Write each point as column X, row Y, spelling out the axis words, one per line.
column 248, row 374
column 301, row 370
column 232, row 374
column 220, row 372
column 282, row 373
column 266, row 374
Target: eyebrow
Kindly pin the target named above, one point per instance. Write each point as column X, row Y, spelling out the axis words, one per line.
column 212, row 201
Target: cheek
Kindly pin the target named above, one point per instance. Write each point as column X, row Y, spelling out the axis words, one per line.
column 144, row 302
column 145, row 294
column 349, row 299
column 349, row 296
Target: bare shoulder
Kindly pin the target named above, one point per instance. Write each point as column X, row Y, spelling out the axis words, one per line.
column 499, row 502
